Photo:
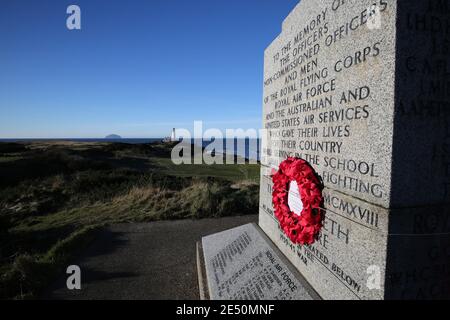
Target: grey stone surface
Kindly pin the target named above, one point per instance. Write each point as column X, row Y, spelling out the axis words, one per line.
column 336, row 265
column 307, row 96
column 201, row 270
column 421, row 158
column 364, row 99
column 418, row 260
column 242, row 264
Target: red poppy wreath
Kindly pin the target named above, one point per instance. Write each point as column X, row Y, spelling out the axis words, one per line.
column 301, row 228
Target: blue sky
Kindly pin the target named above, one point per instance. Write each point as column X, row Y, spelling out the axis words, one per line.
column 136, row 68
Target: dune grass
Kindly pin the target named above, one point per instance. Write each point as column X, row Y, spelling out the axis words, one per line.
column 54, row 197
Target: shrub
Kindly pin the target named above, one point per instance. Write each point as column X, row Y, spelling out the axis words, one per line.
column 10, row 147
column 25, row 278
column 30, row 274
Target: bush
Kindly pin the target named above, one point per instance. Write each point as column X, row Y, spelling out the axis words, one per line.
column 5, row 224
column 25, row 278
column 218, row 199
column 30, row 274
column 204, row 200
column 9, row 147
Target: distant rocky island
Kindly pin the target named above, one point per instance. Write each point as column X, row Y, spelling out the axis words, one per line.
column 113, row 137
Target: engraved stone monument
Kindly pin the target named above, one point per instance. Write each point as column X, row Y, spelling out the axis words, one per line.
column 360, row 90
column 243, row 264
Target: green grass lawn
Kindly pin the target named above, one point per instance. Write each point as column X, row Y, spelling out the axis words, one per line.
column 232, row 172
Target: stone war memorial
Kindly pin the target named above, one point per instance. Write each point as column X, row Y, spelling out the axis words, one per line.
column 359, row 91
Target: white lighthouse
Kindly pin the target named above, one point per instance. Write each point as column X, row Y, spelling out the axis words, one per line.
column 173, row 137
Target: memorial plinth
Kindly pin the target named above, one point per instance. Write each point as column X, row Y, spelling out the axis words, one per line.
column 360, row 90
column 243, row 264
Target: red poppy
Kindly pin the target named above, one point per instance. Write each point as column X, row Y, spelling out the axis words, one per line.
column 304, row 228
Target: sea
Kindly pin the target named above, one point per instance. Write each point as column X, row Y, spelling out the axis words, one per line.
column 250, row 147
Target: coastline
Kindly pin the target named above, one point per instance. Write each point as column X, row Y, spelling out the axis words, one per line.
column 251, row 149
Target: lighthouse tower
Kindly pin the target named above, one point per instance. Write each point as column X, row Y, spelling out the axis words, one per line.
column 173, row 137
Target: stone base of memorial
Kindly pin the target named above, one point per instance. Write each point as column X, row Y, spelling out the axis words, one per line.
column 243, row 264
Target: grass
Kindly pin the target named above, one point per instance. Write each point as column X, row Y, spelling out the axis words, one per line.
column 10, row 158
column 234, row 172
column 30, row 274
column 53, row 198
